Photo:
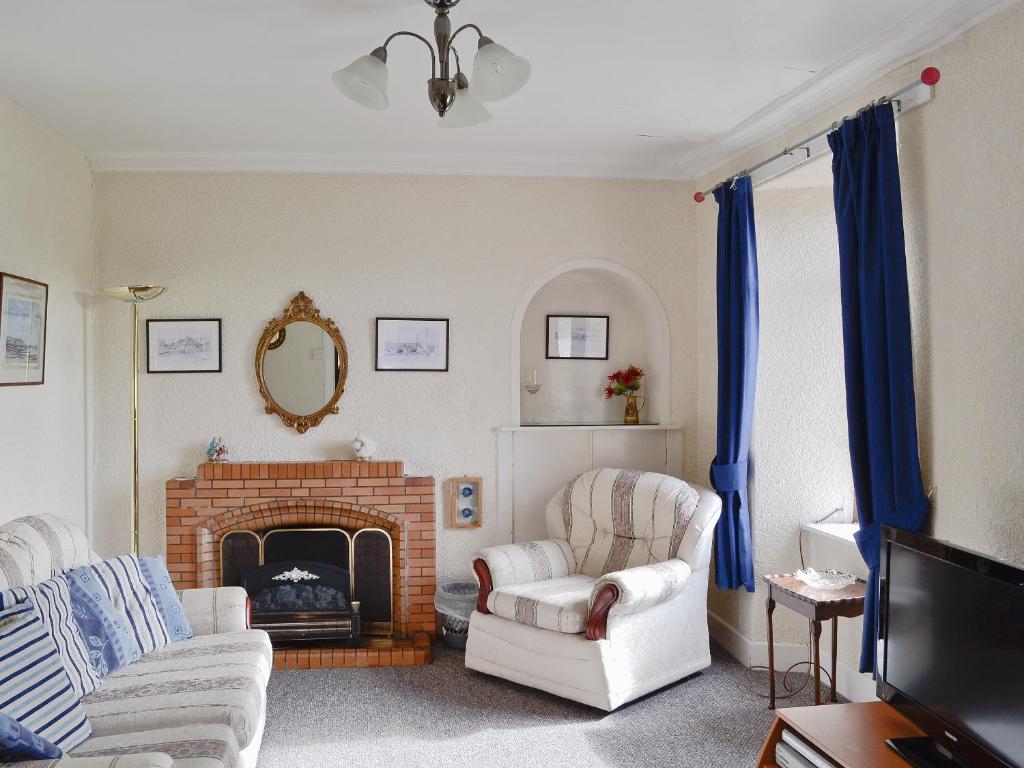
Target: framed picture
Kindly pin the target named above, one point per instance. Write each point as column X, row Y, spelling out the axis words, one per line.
column 466, row 502
column 577, row 337
column 412, row 344
column 22, row 330
column 183, row 346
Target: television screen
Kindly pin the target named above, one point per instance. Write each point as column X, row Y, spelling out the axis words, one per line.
column 954, row 646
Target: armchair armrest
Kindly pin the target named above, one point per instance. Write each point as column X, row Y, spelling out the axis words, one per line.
column 212, row 611
column 632, row 591
column 510, row 564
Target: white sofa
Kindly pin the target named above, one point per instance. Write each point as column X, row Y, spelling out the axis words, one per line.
column 197, row 703
column 614, row 604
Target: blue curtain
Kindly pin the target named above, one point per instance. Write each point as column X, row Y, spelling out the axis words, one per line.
column 880, row 408
column 737, row 380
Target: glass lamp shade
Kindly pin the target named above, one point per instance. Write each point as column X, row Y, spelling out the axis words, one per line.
column 467, row 111
column 134, row 294
column 365, row 81
column 497, row 72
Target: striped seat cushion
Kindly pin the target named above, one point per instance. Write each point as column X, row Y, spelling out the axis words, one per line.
column 53, row 602
column 194, row 746
column 122, row 580
column 34, row 688
column 561, row 605
column 224, row 695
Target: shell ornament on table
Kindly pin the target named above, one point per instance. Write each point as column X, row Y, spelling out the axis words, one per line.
column 364, row 448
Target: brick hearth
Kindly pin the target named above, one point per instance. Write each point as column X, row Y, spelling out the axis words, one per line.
column 254, row 496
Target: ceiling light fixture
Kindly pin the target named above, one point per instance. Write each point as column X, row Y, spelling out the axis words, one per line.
column 497, row 73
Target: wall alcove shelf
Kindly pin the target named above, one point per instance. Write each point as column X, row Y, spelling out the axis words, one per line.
column 571, row 389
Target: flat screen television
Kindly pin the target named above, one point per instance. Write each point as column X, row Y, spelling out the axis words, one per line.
column 952, row 625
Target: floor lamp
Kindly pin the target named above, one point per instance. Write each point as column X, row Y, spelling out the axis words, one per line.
column 135, row 295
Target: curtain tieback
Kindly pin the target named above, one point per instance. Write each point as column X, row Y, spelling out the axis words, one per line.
column 729, row 477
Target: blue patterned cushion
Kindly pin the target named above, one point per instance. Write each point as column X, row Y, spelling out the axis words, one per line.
column 166, row 596
column 108, row 637
column 34, row 688
column 122, row 581
column 19, row 743
column 53, row 601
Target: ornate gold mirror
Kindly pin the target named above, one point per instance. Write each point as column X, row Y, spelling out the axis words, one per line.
column 301, row 365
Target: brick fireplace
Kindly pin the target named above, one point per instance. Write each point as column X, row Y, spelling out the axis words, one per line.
column 237, row 499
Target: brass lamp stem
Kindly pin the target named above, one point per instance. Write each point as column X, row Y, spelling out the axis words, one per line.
column 135, row 429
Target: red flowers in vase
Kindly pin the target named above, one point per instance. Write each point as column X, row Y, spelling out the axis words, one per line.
column 625, row 382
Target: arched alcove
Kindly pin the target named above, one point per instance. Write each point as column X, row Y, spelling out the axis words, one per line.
column 571, row 389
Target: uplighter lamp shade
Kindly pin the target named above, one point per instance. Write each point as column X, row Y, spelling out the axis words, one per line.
column 134, row 294
column 497, row 72
column 365, row 81
column 467, row 111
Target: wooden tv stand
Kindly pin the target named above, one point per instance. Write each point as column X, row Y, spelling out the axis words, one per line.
column 850, row 735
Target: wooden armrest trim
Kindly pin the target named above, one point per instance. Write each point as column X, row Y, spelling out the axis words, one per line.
column 248, row 613
column 483, row 573
column 597, row 622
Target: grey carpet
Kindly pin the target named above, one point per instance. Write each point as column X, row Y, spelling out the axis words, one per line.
column 445, row 715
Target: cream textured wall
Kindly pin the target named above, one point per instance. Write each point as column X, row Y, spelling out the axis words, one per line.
column 238, row 246
column 46, row 235
column 961, row 165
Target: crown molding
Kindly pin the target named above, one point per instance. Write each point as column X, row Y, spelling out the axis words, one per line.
column 926, row 29
column 447, row 165
column 930, row 27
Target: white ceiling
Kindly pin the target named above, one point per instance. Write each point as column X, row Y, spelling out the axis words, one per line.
column 654, row 88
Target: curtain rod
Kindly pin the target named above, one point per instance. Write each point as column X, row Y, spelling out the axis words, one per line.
column 929, row 76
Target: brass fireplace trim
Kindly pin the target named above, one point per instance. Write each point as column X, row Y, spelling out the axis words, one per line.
column 378, row 628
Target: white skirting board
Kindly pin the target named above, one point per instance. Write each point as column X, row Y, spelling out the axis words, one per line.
column 850, row 683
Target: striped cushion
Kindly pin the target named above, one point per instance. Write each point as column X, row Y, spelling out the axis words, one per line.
column 105, row 629
column 53, row 602
column 166, row 597
column 561, row 605
column 123, row 582
column 52, row 544
column 34, row 688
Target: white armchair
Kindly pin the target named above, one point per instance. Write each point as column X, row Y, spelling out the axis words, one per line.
column 614, row 604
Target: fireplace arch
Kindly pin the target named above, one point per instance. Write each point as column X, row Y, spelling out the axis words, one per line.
column 306, row 517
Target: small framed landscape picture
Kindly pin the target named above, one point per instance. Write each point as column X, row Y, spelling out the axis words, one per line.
column 577, row 337
column 183, row 346
column 466, row 502
column 412, row 344
column 22, row 330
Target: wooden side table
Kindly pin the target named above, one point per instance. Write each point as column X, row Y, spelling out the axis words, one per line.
column 817, row 605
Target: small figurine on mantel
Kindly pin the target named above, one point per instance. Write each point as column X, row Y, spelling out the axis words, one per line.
column 217, row 450
column 364, row 448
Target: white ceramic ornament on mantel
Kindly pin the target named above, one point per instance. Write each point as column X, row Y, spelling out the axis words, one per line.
column 364, row 448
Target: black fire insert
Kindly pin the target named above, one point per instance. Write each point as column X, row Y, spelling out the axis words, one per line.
column 302, row 600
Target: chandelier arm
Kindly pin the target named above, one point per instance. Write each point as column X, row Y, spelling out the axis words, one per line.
column 455, row 34
column 458, row 61
column 433, row 55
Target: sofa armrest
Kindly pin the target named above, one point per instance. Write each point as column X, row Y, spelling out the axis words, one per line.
column 138, row 760
column 510, row 564
column 632, row 591
column 216, row 610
